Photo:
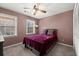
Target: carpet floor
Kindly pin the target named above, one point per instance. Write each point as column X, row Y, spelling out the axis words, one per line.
column 20, row 50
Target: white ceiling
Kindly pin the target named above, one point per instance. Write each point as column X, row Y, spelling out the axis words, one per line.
column 51, row 8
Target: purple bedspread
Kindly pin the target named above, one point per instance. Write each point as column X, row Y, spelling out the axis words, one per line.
column 40, row 42
column 39, row 38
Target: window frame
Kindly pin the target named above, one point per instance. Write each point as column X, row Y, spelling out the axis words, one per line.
column 15, row 18
column 33, row 26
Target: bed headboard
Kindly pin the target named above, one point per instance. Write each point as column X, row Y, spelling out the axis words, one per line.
column 50, row 31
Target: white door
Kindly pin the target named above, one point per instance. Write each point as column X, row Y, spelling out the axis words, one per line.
column 76, row 28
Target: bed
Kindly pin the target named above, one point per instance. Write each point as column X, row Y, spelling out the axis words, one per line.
column 41, row 42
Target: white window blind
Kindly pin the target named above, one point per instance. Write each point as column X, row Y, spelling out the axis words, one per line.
column 8, row 24
column 30, row 27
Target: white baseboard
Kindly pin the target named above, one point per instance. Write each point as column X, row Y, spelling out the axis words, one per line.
column 21, row 43
column 65, row 44
column 13, row 45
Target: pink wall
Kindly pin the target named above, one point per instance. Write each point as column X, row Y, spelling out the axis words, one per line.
column 20, row 27
column 63, row 22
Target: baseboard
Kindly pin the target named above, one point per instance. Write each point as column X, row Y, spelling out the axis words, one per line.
column 65, row 44
column 21, row 43
column 13, row 45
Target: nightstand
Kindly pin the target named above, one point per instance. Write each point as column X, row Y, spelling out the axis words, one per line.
column 1, row 45
column 1, row 48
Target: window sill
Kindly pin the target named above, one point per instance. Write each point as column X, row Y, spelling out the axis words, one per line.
column 30, row 33
column 9, row 36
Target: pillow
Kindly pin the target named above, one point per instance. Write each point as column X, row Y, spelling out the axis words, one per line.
column 50, row 32
column 45, row 32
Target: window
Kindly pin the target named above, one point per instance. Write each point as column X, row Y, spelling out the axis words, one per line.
column 30, row 27
column 8, row 25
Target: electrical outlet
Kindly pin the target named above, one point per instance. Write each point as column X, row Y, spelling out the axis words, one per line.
column 62, row 39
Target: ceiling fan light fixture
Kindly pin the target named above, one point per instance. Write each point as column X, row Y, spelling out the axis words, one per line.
column 39, row 9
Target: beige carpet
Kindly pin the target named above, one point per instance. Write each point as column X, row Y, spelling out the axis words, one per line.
column 58, row 50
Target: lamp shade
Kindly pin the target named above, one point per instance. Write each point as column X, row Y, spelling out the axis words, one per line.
column 36, row 25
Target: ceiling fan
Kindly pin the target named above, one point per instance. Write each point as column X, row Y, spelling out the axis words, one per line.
column 36, row 8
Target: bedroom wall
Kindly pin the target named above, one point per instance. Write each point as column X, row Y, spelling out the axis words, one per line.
column 63, row 22
column 20, row 27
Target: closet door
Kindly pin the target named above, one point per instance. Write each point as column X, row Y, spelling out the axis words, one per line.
column 76, row 28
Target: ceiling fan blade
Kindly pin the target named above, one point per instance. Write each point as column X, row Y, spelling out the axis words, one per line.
column 36, row 6
column 26, row 8
column 26, row 11
column 43, row 11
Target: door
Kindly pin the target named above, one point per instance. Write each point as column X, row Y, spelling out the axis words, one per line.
column 76, row 28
